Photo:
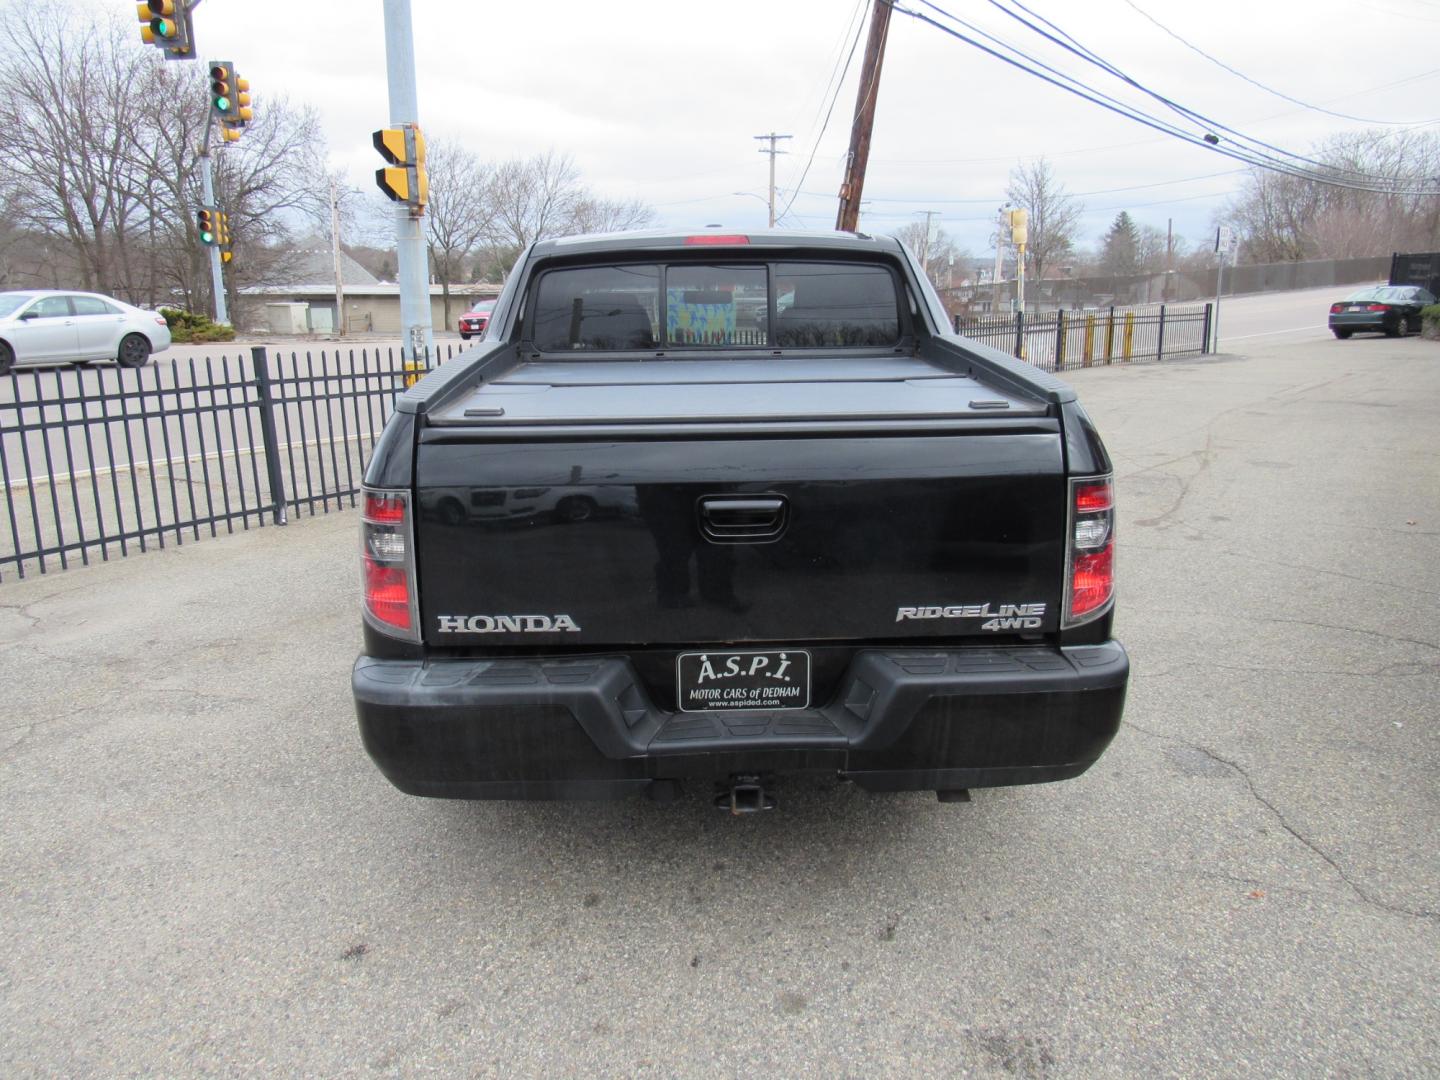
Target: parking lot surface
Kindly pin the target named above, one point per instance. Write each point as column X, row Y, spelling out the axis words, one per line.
column 202, row 873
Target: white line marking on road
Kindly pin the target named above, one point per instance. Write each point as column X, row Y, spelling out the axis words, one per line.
column 1267, row 333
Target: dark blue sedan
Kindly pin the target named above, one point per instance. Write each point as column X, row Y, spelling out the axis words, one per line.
column 1392, row 310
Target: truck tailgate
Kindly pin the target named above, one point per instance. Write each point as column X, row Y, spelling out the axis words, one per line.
column 919, row 505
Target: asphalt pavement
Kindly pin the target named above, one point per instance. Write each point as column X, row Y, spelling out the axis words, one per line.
column 202, row 873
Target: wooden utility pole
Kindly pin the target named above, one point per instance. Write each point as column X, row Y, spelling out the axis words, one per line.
column 773, row 138
column 335, row 253
column 854, row 183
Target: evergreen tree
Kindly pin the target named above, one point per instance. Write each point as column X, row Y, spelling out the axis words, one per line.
column 1120, row 252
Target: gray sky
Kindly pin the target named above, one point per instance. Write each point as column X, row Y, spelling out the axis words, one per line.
column 659, row 101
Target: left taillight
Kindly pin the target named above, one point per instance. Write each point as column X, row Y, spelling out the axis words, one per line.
column 388, row 564
column 1090, row 561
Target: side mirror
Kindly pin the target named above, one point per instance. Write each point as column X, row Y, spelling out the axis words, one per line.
column 26, row 316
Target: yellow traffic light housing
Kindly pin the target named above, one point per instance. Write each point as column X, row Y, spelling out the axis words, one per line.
column 242, row 101
column 405, row 180
column 205, row 224
column 230, row 99
column 1019, row 221
column 222, row 233
column 166, row 25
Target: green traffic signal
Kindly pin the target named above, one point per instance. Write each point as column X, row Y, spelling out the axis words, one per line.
column 164, row 28
column 207, row 238
column 221, row 76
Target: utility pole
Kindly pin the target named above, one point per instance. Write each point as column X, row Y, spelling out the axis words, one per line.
column 772, row 137
column 207, row 193
column 415, row 314
column 1169, row 257
column 335, row 252
column 930, row 216
column 848, row 217
column 1002, row 230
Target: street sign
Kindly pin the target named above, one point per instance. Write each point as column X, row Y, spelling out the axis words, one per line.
column 1224, row 240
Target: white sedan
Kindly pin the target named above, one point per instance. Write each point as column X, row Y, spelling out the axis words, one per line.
column 43, row 326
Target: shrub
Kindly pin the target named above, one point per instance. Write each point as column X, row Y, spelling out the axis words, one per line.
column 1430, row 321
column 188, row 327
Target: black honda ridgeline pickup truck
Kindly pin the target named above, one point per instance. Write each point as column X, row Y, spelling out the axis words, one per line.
column 718, row 508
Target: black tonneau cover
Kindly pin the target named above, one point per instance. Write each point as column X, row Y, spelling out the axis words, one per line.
column 706, row 391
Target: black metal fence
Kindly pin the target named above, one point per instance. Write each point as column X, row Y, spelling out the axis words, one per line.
column 103, row 461
column 1065, row 340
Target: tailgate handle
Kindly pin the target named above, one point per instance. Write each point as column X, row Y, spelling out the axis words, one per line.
column 742, row 520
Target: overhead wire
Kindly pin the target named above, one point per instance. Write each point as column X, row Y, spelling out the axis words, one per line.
column 1070, row 84
column 1256, row 147
column 1254, row 82
column 834, row 97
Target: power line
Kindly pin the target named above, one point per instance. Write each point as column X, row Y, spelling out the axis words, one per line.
column 1152, row 142
column 1078, row 194
column 828, row 113
column 1244, row 154
column 1254, row 82
column 1208, row 125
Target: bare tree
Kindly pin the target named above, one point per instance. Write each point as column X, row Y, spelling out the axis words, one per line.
column 1054, row 214
column 590, row 215
column 460, row 213
column 939, row 251
column 535, row 198
column 1281, row 217
column 100, row 159
column 67, row 114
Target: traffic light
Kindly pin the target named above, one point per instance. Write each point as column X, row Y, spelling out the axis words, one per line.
column 243, row 113
column 166, row 25
column 229, row 99
column 222, row 89
column 222, row 237
column 1019, row 221
column 207, row 225
column 406, row 180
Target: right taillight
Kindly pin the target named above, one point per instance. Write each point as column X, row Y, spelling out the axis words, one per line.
column 388, row 564
column 1090, row 560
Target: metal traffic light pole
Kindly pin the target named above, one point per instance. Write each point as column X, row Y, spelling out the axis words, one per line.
column 415, row 315
column 207, row 192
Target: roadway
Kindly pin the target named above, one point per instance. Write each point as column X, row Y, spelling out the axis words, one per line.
column 1284, row 316
column 202, row 873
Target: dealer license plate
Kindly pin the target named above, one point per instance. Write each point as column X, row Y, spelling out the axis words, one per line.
column 714, row 681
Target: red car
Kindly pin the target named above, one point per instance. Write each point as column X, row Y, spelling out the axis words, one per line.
column 474, row 321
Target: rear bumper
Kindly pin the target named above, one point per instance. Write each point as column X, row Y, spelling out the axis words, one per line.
column 904, row 719
column 1363, row 320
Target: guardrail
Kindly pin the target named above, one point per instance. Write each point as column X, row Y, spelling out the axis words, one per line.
column 1065, row 340
column 97, row 462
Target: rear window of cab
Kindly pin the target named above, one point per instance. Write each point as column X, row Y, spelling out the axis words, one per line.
column 655, row 306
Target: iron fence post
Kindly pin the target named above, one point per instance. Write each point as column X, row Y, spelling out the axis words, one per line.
column 267, row 433
column 1020, row 334
column 1205, row 333
column 1060, row 339
column 1160, row 337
